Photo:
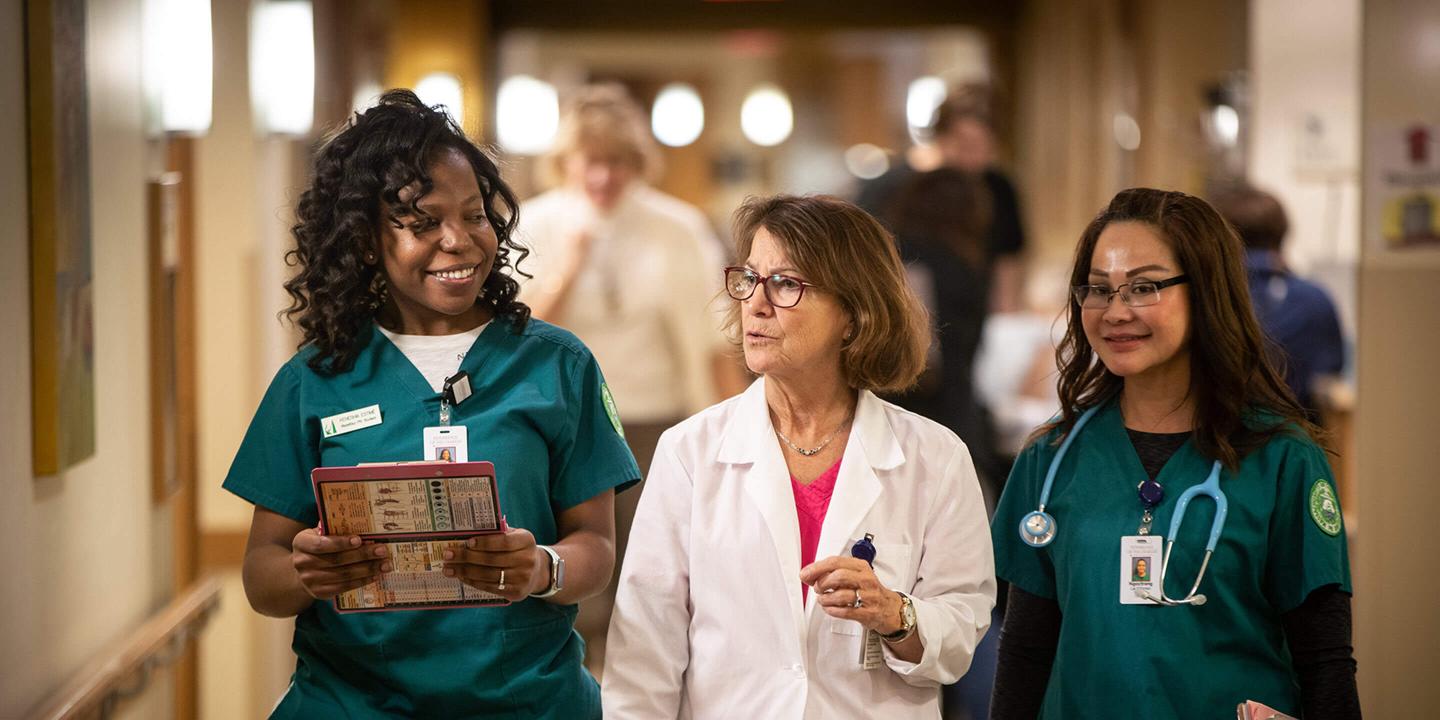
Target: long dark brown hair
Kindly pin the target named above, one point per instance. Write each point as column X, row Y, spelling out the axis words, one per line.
column 1241, row 401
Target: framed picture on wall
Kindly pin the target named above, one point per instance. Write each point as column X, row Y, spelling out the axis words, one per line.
column 61, row 279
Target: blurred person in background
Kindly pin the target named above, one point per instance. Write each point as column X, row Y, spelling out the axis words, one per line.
column 806, row 549
column 632, row 272
column 1296, row 314
column 941, row 219
column 963, row 138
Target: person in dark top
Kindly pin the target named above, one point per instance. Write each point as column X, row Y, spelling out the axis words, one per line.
column 941, row 219
column 963, row 136
column 1296, row 314
column 1164, row 356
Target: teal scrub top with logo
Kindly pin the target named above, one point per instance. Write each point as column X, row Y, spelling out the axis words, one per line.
column 1283, row 538
column 538, row 413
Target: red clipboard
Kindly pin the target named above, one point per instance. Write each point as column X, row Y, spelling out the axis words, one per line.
column 418, row 510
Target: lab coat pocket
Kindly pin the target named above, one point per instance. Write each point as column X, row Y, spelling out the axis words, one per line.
column 892, row 569
column 892, row 566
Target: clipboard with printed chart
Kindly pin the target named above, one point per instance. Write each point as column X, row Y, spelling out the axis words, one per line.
column 418, row 510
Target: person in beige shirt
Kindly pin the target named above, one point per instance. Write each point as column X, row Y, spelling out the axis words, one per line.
column 633, row 272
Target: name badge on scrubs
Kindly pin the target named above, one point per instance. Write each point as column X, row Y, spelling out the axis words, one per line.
column 1140, row 568
column 351, row 421
column 447, row 443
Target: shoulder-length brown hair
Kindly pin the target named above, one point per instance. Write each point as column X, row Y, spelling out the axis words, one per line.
column 849, row 254
column 1241, row 402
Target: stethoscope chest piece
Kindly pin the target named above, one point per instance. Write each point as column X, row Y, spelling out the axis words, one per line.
column 1037, row 528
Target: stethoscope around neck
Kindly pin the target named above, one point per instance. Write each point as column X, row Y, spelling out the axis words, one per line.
column 1037, row 528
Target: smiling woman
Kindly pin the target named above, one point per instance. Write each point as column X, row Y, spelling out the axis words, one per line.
column 1167, row 396
column 405, row 258
column 402, row 183
column 435, row 249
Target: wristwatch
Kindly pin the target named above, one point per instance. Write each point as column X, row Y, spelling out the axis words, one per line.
column 557, row 573
column 907, row 620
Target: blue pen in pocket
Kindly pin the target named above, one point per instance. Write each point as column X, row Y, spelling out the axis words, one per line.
column 864, row 548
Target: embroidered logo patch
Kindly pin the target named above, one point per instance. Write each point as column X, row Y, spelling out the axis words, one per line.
column 610, row 410
column 1324, row 508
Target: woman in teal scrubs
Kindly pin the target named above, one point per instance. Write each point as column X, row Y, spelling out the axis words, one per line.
column 405, row 257
column 1162, row 343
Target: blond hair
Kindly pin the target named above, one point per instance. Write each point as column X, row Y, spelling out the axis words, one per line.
column 604, row 118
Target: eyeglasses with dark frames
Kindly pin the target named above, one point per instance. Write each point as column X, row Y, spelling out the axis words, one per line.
column 1136, row 293
column 783, row 291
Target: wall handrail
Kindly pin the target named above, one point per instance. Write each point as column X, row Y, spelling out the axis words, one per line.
column 124, row 670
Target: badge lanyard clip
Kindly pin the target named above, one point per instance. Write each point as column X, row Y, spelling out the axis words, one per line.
column 455, row 391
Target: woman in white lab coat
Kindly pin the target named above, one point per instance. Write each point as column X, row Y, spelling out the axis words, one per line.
column 748, row 588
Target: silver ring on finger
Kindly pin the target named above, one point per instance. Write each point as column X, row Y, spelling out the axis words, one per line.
column 858, row 601
column 501, row 584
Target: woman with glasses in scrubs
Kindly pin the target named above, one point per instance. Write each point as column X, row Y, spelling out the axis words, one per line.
column 1162, row 343
column 406, row 262
column 805, row 549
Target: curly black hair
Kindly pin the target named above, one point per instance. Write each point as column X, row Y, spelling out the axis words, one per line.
column 377, row 153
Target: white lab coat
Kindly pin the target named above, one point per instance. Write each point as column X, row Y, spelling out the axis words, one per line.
column 708, row 619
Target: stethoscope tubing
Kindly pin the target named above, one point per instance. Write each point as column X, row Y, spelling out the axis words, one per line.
column 1037, row 528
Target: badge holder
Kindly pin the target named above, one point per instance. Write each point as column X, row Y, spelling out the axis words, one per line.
column 446, row 442
column 872, row 656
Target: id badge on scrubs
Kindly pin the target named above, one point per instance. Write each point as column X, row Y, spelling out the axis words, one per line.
column 446, row 443
column 1140, row 568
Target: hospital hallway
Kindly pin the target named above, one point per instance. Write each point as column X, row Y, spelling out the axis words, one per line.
column 156, row 151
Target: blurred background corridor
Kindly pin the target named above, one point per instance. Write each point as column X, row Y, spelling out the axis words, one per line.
column 156, row 148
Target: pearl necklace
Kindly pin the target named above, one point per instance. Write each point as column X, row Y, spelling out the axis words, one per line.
column 815, row 450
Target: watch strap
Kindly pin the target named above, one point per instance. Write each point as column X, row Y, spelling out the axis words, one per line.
column 907, row 620
column 557, row 565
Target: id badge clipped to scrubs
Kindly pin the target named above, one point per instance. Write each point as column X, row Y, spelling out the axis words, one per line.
column 1140, row 568
column 446, row 442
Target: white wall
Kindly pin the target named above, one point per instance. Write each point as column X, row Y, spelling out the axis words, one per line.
column 226, row 297
column 81, row 566
column 1397, row 576
column 243, row 191
column 1305, row 133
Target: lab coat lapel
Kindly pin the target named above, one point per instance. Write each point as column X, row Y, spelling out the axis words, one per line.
column 749, row 438
column 872, row 446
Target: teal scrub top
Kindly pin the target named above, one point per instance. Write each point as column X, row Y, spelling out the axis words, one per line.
column 1283, row 538
column 539, row 413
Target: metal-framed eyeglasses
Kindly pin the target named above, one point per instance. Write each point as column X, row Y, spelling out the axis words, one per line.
column 783, row 291
column 1136, row 293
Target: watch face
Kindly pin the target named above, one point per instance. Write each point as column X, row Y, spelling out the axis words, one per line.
column 560, row 572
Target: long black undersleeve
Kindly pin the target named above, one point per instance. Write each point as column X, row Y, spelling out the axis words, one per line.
column 1318, row 632
column 1028, row 641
